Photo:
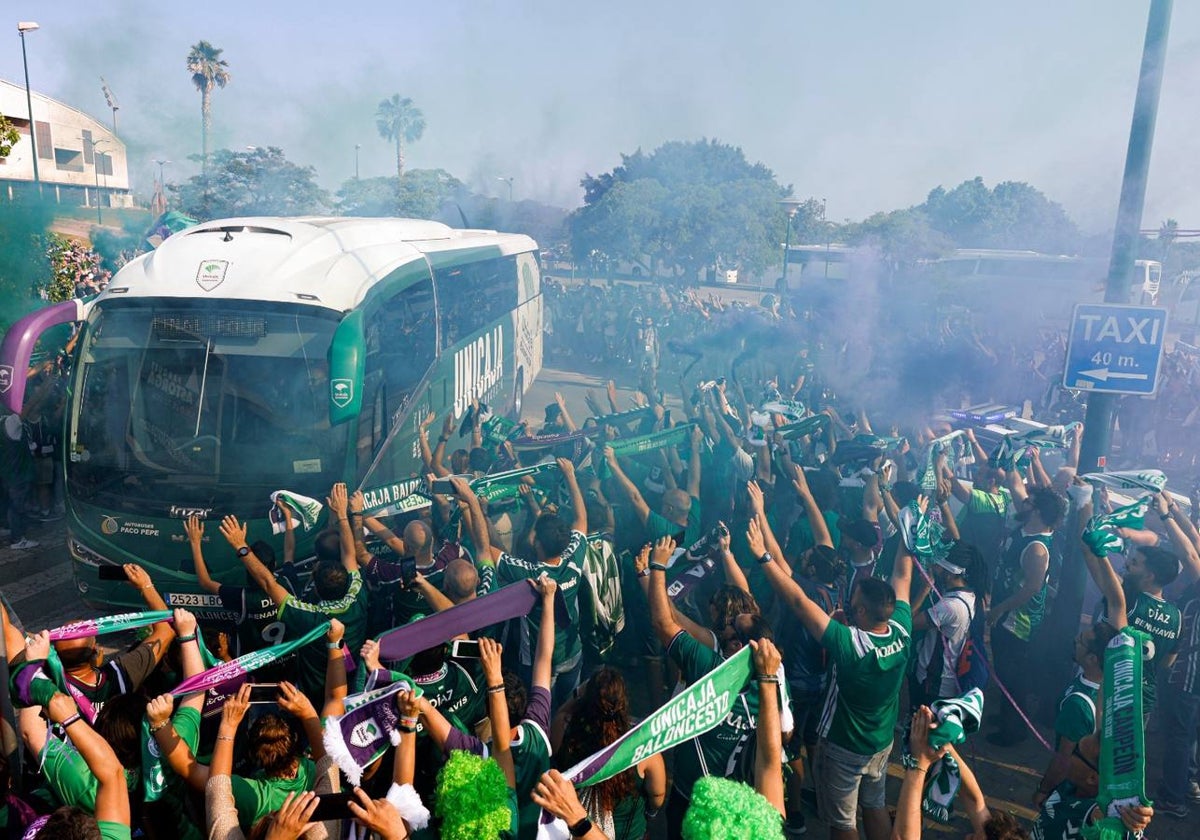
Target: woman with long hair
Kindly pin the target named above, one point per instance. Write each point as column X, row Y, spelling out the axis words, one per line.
column 597, row 716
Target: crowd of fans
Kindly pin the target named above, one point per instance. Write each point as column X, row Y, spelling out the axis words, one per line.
column 862, row 560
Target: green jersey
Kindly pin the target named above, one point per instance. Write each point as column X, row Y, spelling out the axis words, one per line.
column 1164, row 624
column 1063, row 816
column 1077, row 710
column 658, row 525
column 1010, row 577
column 259, row 796
column 567, row 573
column 301, row 616
column 869, row 668
column 982, row 520
column 726, row 750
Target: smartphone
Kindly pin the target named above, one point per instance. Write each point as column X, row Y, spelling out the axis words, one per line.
column 464, row 649
column 408, row 570
column 109, row 572
column 679, row 538
column 264, row 692
column 333, row 806
column 443, row 487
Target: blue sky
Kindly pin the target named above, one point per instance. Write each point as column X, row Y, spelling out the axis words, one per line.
column 868, row 104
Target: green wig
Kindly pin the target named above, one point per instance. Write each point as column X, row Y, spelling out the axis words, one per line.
column 472, row 798
column 730, row 810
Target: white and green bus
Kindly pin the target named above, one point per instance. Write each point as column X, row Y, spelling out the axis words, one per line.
column 246, row 356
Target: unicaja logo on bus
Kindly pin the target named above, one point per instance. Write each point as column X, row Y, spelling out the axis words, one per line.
column 478, row 367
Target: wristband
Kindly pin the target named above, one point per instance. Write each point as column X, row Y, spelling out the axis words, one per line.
column 495, row 689
column 154, row 729
column 410, row 722
column 658, row 567
column 1165, row 516
column 338, row 645
column 72, row 719
column 644, row 572
column 443, row 439
column 581, row 828
column 765, row 559
column 224, row 737
column 189, row 638
column 407, row 730
column 768, row 678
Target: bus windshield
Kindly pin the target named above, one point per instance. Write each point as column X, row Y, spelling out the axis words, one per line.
column 214, row 403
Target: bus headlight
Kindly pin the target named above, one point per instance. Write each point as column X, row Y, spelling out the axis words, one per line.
column 85, row 555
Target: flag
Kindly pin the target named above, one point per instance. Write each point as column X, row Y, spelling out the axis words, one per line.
column 512, row 601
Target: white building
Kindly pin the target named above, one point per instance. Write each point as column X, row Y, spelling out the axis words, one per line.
column 80, row 161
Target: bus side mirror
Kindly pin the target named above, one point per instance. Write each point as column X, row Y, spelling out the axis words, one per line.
column 19, row 341
column 347, row 360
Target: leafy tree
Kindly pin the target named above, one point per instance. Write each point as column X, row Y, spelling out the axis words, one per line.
column 70, row 262
column 903, row 238
column 683, row 207
column 261, row 182
column 9, row 136
column 1012, row 215
column 401, row 122
column 420, row 195
column 208, row 71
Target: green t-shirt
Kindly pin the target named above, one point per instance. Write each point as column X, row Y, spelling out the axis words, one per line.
column 255, row 798
column 1077, row 711
column 568, row 574
column 69, row 777
column 454, row 691
column 113, row 830
column 531, row 758
column 718, row 751
column 301, row 616
column 1163, row 622
column 869, row 669
column 658, row 525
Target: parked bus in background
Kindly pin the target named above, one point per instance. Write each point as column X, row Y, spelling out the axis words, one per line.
column 247, row 356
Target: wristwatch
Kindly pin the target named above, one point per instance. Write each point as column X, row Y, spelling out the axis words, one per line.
column 644, row 572
column 581, row 828
column 243, row 551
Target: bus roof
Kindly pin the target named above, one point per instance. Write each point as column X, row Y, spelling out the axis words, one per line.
column 330, row 262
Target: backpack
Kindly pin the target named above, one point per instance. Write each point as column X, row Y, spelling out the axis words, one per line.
column 972, row 668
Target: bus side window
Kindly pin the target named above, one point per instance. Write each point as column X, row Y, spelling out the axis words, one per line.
column 401, row 346
column 475, row 295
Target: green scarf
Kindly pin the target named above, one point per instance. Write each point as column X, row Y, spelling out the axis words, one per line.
column 646, row 443
column 1122, row 742
column 1100, row 536
column 937, row 447
column 497, row 429
column 808, row 426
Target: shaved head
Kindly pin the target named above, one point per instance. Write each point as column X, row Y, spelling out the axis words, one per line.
column 418, row 538
column 461, row 580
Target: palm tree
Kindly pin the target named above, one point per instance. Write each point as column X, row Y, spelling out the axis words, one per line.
column 399, row 120
column 208, row 71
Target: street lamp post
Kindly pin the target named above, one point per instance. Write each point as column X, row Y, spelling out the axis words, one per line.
column 357, row 146
column 23, row 27
column 509, row 181
column 790, row 206
column 96, row 172
column 162, row 183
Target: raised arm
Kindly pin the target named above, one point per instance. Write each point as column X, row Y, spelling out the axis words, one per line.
column 161, row 633
column 339, row 508
column 627, row 487
column 497, row 703
column 759, row 514
column 294, row 702
column 816, row 520
column 566, row 415
column 289, row 532
column 235, row 534
column 336, row 683
column 902, row 573
column 908, row 809
column 112, row 796
column 693, row 487
column 1172, row 518
column 641, row 565
column 815, row 619
column 194, row 528
column 423, row 442
column 577, row 506
column 768, row 759
column 476, row 521
column 662, row 616
column 544, row 654
column 1104, row 576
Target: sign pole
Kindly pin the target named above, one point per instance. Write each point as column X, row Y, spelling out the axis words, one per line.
column 1097, row 433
